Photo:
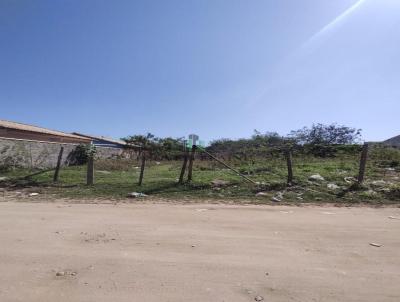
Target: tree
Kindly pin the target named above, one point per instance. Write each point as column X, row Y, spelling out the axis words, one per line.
column 320, row 134
column 143, row 141
column 325, row 140
column 157, row 148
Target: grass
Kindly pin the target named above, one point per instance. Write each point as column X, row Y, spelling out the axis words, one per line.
column 114, row 179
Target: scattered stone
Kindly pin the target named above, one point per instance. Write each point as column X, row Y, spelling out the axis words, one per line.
column 33, row 194
column 350, row 179
column 316, row 177
column 219, row 183
column 193, row 245
column 393, row 217
column 379, row 183
column 333, row 186
column 60, row 274
column 371, row 193
column 259, row 298
column 278, row 197
column 104, row 172
column 375, row 244
column 262, row 194
column 136, row 195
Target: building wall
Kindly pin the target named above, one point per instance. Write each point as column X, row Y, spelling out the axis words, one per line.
column 32, row 154
column 44, row 155
column 110, row 152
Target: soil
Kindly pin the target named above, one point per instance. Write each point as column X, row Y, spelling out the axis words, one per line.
column 197, row 252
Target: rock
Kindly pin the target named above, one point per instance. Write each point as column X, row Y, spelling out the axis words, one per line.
column 158, row 163
column 278, row 197
column 60, row 274
column 350, row 180
column 316, row 177
column 219, row 183
column 33, row 194
column 371, row 193
column 259, row 298
column 136, row 195
column 384, row 190
column 262, row 194
column 103, row 172
column 3, row 178
column 333, row 186
column 375, row 244
column 379, row 183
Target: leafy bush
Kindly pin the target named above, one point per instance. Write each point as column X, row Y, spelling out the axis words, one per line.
column 80, row 155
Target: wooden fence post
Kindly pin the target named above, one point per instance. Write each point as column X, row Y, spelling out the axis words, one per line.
column 288, row 154
column 142, row 168
column 57, row 171
column 363, row 164
column 190, row 169
column 185, row 160
column 90, row 171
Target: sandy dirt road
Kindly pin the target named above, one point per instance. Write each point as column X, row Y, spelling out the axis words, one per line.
column 163, row 252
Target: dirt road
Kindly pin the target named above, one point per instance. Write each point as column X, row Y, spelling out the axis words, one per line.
column 163, row 252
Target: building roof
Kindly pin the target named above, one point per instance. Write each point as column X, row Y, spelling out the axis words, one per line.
column 105, row 139
column 36, row 129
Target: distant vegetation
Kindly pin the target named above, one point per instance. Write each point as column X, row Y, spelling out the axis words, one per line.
column 325, row 167
column 318, row 140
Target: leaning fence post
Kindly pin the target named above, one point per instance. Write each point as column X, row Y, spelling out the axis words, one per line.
column 56, row 173
column 190, row 169
column 90, row 170
column 142, row 168
column 288, row 155
column 185, row 160
column 363, row 163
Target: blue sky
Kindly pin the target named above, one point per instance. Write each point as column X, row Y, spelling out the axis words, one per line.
column 218, row 68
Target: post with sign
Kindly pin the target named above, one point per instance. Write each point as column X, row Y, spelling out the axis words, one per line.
column 190, row 169
column 185, row 160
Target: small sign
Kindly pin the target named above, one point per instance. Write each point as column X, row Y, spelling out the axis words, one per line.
column 194, row 140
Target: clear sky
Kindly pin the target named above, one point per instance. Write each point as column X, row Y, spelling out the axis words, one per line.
column 218, row 68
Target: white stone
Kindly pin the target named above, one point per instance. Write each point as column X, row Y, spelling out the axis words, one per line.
column 316, row 177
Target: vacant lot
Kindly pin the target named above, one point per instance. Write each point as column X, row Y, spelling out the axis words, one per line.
column 160, row 252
